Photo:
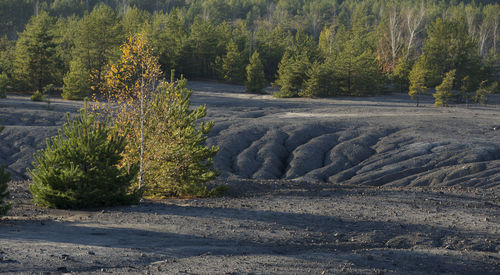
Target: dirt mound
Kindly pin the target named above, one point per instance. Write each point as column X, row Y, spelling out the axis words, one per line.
column 380, row 141
column 365, row 155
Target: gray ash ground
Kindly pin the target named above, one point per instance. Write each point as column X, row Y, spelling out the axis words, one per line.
column 320, row 186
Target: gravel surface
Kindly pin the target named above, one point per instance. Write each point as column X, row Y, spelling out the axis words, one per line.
column 316, row 186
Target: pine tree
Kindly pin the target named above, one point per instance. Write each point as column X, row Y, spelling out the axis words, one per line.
column 35, row 53
column 417, row 83
column 256, row 80
column 321, row 81
column 200, row 50
column 232, row 64
column 97, row 43
column 449, row 47
column 355, row 65
column 271, row 46
column 443, row 93
column 80, row 167
column 77, row 83
column 292, row 74
column 401, row 73
column 4, row 192
column 179, row 163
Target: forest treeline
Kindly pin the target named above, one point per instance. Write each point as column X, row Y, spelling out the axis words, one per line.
column 307, row 48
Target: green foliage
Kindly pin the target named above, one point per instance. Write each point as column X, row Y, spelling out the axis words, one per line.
column 98, row 42
column 484, row 90
column 35, row 52
column 178, row 163
column 326, row 42
column 321, row 81
column 15, row 14
column 443, row 93
column 355, row 66
column 449, row 47
column 80, row 167
column 37, row 96
column 466, row 90
column 370, row 41
column 168, row 36
column 401, row 73
column 134, row 20
column 292, row 74
column 7, row 54
column 162, row 131
column 4, row 82
column 77, row 84
column 65, row 35
column 201, row 50
column 417, row 83
column 233, row 64
column 358, row 74
column 271, row 46
column 256, row 80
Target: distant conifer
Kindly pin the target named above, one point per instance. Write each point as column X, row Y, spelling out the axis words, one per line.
column 256, row 81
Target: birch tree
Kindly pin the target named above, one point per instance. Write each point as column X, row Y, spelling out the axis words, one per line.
column 414, row 24
column 130, row 83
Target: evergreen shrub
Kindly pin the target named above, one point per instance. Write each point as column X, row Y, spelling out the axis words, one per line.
column 37, row 96
column 80, row 168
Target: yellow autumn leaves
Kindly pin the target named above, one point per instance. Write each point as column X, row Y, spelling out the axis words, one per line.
column 162, row 131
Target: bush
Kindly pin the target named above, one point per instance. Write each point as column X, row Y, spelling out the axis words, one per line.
column 80, row 167
column 38, row 96
column 484, row 90
column 443, row 93
column 49, row 89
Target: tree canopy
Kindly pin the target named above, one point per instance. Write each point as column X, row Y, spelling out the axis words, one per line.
column 372, row 46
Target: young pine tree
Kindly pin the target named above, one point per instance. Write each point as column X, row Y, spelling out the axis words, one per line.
column 292, row 73
column 233, row 64
column 77, row 83
column 320, row 82
column 178, row 161
column 80, row 167
column 256, row 80
column 417, row 83
column 443, row 93
column 35, row 53
column 97, row 43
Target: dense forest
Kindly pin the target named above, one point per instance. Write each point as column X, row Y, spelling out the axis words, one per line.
column 306, row 48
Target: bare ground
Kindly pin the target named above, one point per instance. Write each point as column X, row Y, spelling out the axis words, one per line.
column 322, row 186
